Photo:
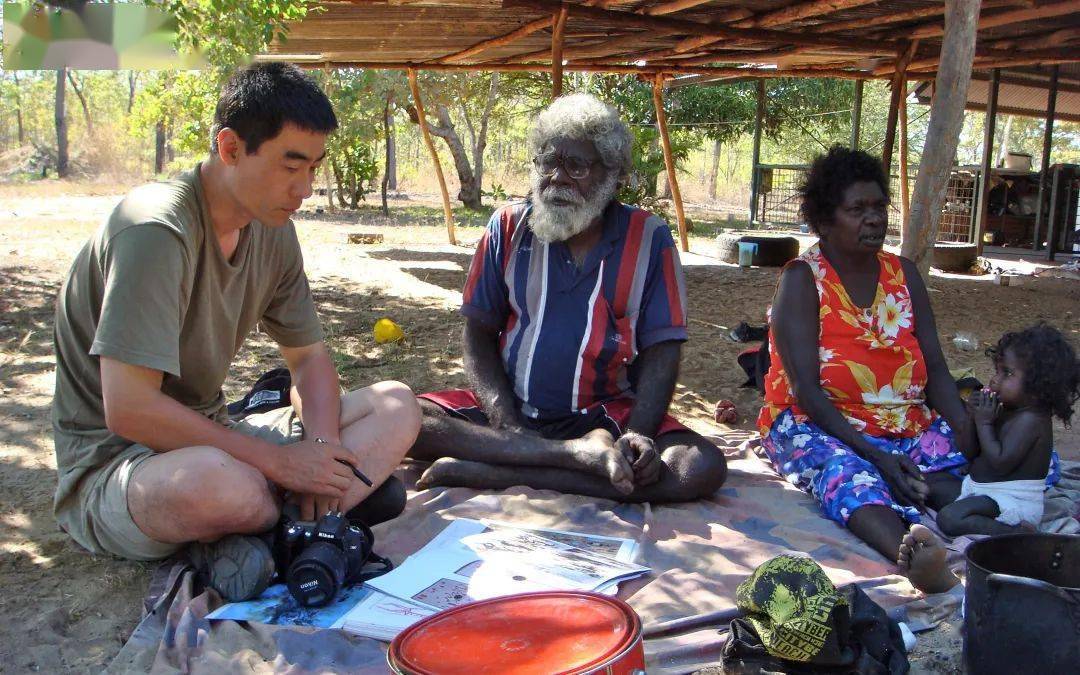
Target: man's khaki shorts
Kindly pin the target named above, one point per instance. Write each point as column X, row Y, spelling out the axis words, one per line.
column 105, row 524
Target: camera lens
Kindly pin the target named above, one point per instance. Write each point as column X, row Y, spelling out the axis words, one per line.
column 317, row 574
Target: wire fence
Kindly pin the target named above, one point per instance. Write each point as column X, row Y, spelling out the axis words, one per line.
column 778, row 199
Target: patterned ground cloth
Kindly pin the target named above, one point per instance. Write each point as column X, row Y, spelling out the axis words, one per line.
column 700, row 551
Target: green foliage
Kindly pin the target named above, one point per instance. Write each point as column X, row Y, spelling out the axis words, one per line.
column 497, row 193
column 184, row 102
column 359, row 98
column 229, row 32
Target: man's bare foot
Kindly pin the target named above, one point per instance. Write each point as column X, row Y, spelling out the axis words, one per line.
column 922, row 559
column 451, row 472
column 595, row 453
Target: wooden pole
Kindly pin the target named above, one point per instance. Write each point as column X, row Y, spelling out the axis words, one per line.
column 755, row 158
column 1044, row 164
column 447, row 213
column 943, row 134
column 905, row 189
column 856, row 114
column 987, row 159
column 556, row 52
column 669, row 159
column 898, row 88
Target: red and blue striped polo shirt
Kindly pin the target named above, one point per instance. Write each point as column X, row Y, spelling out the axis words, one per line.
column 569, row 335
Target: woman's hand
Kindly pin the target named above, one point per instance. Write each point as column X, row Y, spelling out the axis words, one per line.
column 984, row 406
column 905, row 481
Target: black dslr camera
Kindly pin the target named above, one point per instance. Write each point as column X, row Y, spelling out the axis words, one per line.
column 319, row 558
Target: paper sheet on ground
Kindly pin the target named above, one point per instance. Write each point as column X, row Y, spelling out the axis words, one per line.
column 277, row 606
column 472, row 560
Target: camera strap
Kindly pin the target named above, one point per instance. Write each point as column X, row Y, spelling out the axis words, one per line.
column 371, row 557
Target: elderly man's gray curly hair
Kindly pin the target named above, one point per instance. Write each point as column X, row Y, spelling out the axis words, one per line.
column 585, row 117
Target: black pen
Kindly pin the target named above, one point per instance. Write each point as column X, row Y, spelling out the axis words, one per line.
column 356, row 472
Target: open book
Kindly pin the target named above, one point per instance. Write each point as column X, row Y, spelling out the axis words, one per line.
column 472, row 560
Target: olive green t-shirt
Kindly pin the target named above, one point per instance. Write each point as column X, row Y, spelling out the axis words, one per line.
column 152, row 288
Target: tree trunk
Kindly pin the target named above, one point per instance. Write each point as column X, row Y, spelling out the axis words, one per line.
column 159, row 147
column 61, row 125
column 481, row 139
column 18, row 110
column 386, row 166
column 391, row 152
column 133, row 77
column 713, row 169
column 654, row 150
column 469, row 194
column 1003, row 147
column 340, row 184
column 943, row 134
column 82, row 100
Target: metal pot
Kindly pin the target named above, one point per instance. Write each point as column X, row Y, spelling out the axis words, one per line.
column 1022, row 604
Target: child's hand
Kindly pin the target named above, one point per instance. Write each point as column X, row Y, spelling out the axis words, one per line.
column 984, row 406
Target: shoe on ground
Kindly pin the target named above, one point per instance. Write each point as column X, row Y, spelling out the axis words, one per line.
column 239, row 566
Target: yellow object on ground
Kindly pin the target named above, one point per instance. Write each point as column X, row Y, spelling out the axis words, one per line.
column 388, row 331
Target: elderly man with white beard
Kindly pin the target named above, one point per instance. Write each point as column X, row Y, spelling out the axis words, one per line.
column 575, row 315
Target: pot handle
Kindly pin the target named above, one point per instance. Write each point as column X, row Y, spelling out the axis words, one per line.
column 996, row 581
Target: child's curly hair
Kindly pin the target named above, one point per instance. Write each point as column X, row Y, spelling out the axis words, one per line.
column 1051, row 370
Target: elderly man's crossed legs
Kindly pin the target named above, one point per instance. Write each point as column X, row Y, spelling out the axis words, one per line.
column 471, row 455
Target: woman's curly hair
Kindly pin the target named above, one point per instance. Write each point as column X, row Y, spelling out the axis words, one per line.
column 1051, row 370
column 830, row 175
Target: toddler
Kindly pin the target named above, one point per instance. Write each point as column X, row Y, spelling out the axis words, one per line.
column 1036, row 377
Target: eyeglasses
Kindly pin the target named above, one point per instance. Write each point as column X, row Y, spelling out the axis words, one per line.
column 577, row 168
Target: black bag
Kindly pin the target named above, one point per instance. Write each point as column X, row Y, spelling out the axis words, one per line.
column 864, row 640
column 270, row 391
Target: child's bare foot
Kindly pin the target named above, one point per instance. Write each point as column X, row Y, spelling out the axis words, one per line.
column 922, row 559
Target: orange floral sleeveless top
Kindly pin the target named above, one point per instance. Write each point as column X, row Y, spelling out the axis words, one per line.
column 872, row 368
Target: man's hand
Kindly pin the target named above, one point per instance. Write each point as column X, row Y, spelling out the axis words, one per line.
column 905, row 481
column 508, row 421
column 641, row 452
column 307, row 467
column 984, row 406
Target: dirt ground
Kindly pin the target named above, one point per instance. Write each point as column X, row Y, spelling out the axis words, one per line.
column 62, row 610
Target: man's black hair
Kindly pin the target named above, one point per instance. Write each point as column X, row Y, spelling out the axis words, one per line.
column 830, row 176
column 260, row 99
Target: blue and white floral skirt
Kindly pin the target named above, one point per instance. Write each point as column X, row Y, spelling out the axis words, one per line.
column 817, row 463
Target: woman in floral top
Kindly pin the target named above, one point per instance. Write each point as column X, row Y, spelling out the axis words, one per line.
column 859, row 404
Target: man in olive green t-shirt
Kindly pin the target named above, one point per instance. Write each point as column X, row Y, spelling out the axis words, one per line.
column 154, row 309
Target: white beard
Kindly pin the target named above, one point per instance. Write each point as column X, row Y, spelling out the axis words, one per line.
column 559, row 222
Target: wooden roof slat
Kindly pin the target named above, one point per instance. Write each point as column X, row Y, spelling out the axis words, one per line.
column 1053, row 55
column 937, row 29
column 826, row 72
column 709, row 29
column 527, row 29
column 618, row 44
column 779, row 17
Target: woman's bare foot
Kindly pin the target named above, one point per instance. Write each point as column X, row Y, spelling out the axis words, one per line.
column 595, row 453
column 922, row 559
